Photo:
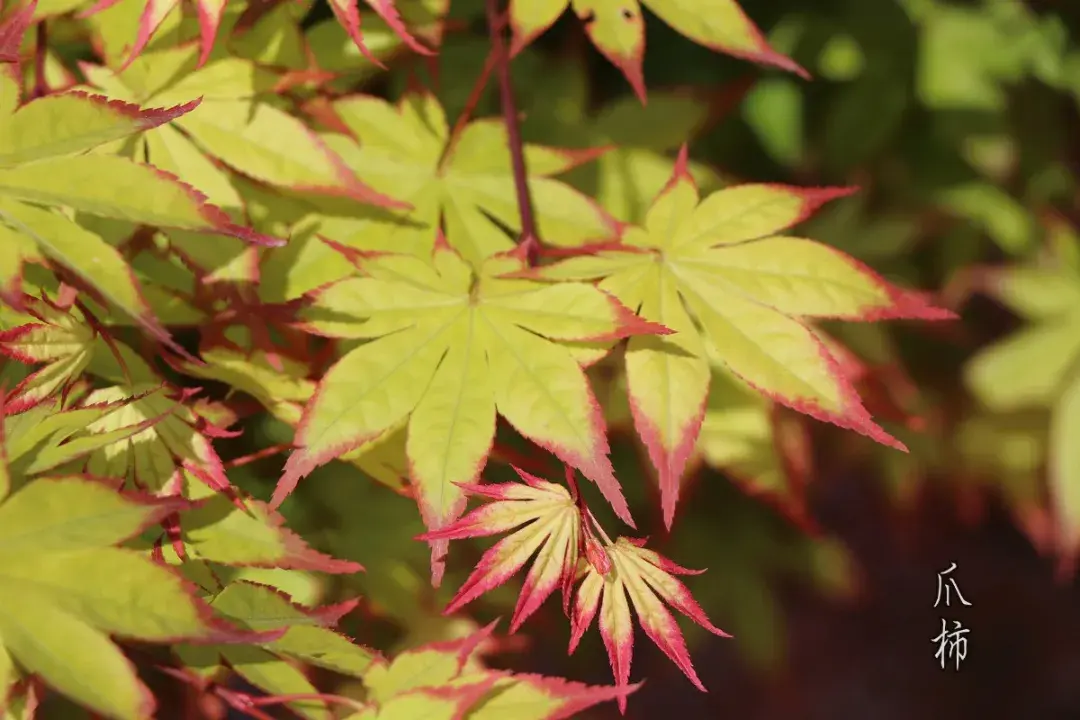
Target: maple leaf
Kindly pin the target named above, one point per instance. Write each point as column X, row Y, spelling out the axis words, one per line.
column 307, row 638
column 449, row 702
column 1001, row 378
column 464, row 183
column 550, row 527
column 255, row 138
column 450, row 347
column 444, row 679
column 284, row 391
column 253, row 536
column 46, row 437
column 432, row 664
column 152, row 458
column 46, row 139
column 544, row 698
column 648, row 579
column 1006, row 453
column 57, row 337
column 42, row 140
column 547, row 521
column 719, row 265
column 347, row 13
column 65, row 587
column 617, row 29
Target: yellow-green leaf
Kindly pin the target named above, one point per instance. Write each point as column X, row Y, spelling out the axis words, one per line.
column 747, row 289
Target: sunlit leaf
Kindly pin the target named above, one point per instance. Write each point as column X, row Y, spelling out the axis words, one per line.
column 449, row 348
column 718, row 264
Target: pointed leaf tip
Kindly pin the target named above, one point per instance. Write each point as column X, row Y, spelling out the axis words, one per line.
column 642, row 579
column 217, row 220
column 153, row 14
column 13, row 30
column 210, row 13
column 387, row 10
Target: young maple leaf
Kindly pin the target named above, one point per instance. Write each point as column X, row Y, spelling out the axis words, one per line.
column 152, row 458
column 549, row 523
column 465, row 182
column 210, row 13
column 12, row 31
column 720, row 265
column 59, row 338
column 449, row 348
column 44, row 437
column 1001, row 377
column 348, row 15
column 628, row 569
column 65, row 587
column 617, row 29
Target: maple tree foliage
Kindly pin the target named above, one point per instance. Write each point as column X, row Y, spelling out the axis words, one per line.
column 213, row 235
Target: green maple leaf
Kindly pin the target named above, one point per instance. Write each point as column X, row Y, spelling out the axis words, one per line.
column 1006, row 454
column 1001, row 376
column 250, row 536
column 284, row 391
column 335, row 51
column 232, row 124
column 617, row 29
column 720, row 266
column 464, row 183
column 307, row 638
column 450, row 347
column 65, row 586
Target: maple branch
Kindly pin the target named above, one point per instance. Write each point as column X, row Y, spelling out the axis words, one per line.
column 530, row 242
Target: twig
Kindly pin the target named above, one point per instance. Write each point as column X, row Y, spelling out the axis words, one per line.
column 471, row 102
column 41, row 87
column 529, row 242
column 571, row 480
